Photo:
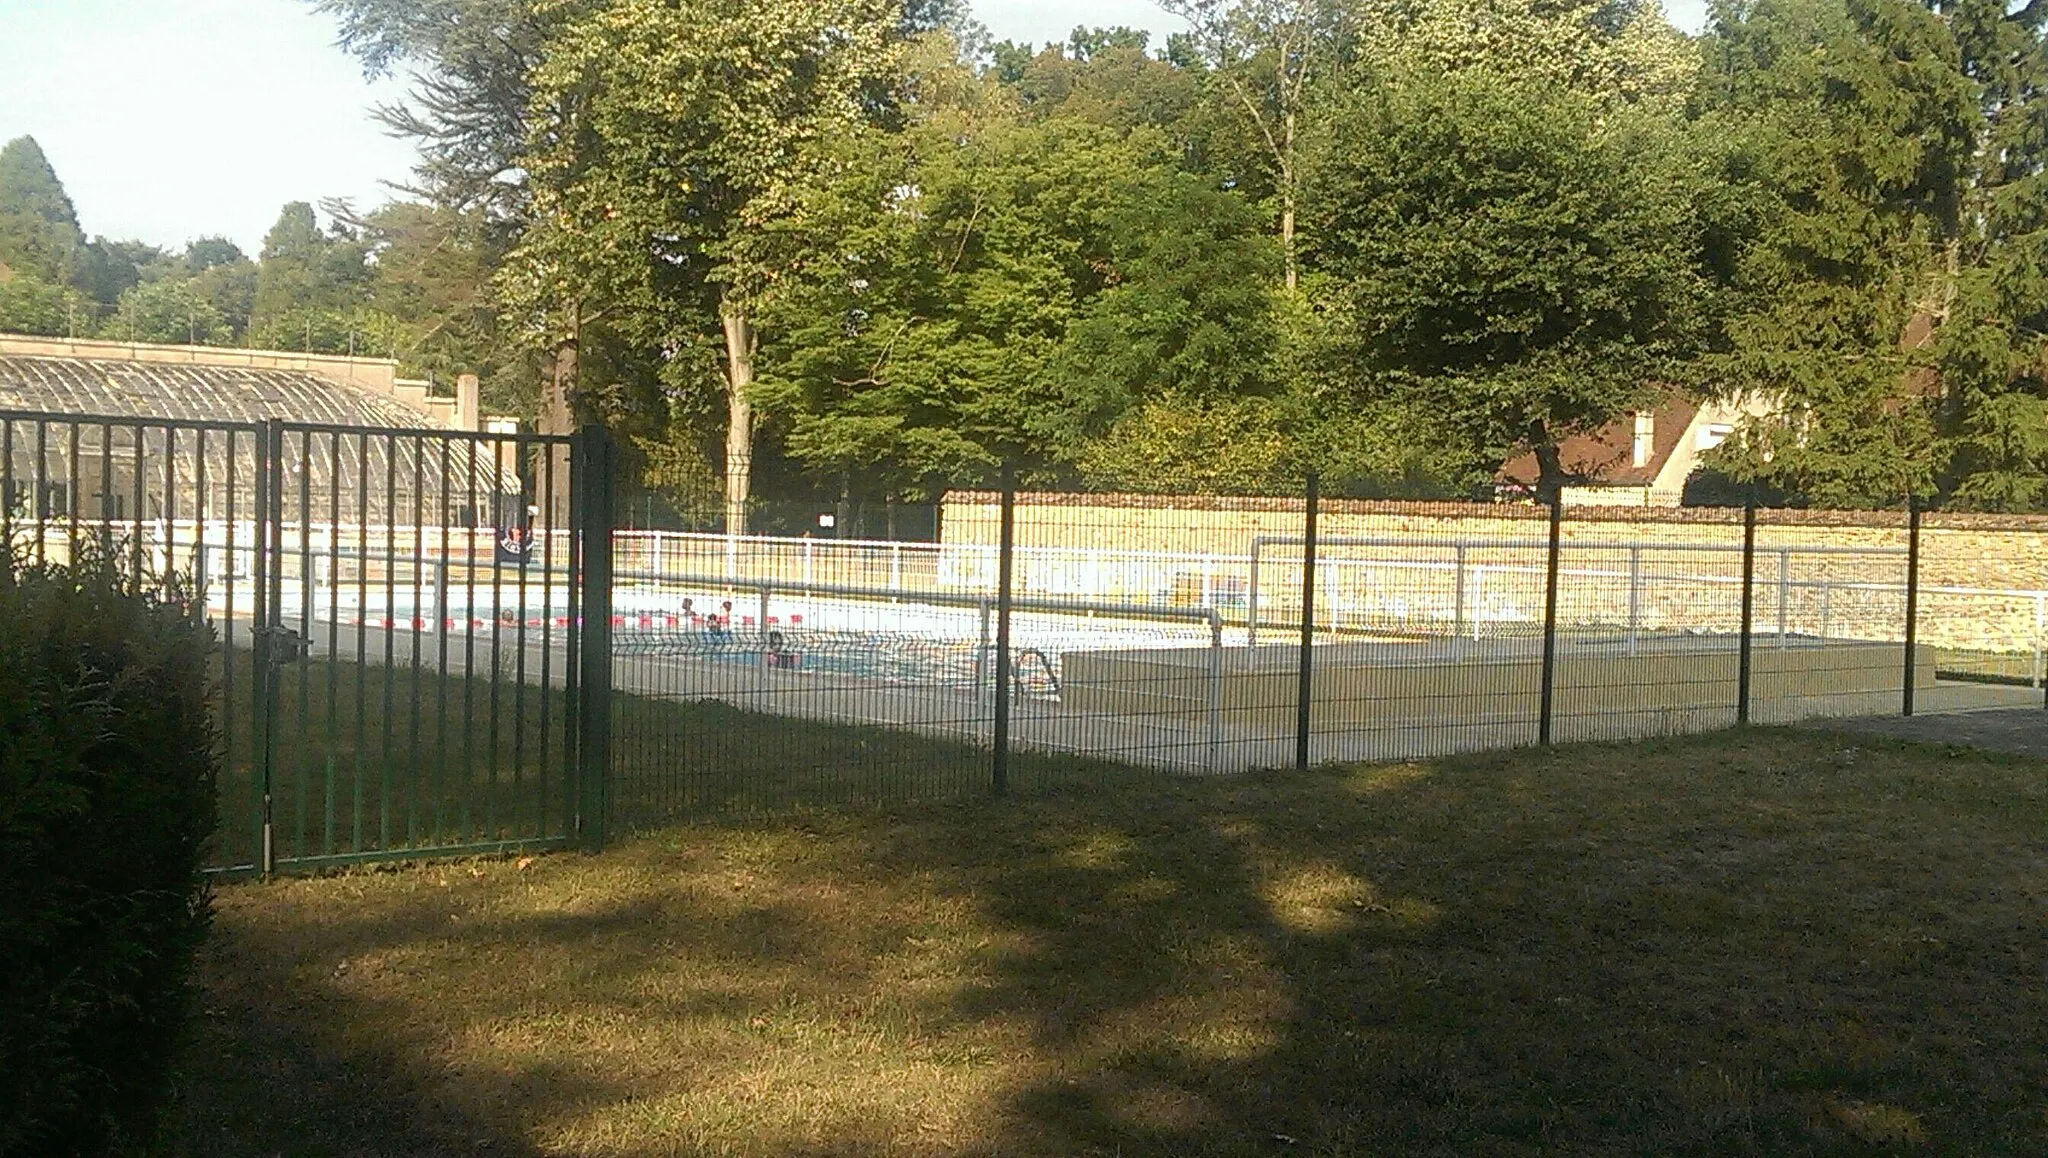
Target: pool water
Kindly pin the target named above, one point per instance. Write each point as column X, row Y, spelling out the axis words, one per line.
column 893, row 656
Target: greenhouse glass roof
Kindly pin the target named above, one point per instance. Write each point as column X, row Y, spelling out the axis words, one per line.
column 202, row 393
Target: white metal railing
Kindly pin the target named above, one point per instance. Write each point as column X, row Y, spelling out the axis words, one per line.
column 1471, row 591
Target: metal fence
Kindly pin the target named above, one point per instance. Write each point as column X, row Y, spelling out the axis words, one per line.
column 1047, row 637
column 436, row 642
column 397, row 612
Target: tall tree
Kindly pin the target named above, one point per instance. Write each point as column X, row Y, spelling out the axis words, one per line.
column 471, row 64
column 1849, row 136
column 667, row 138
column 984, row 286
column 170, row 311
column 1263, row 56
column 39, row 234
column 311, row 289
column 1516, row 261
column 1613, row 50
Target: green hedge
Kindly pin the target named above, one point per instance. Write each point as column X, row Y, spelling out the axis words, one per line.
column 108, row 761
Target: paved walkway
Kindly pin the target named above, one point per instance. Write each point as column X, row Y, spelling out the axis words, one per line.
column 2019, row 731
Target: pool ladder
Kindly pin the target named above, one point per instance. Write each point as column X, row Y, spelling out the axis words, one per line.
column 1052, row 679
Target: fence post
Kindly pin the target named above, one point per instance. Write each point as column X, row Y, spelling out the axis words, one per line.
column 2040, row 621
column 1912, row 601
column 1547, row 697
column 1251, row 599
column 1215, row 685
column 592, row 482
column 268, row 453
column 1742, row 663
column 1006, row 560
column 1784, row 592
column 1458, row 601
column 1306, row 676
column 1635, row 597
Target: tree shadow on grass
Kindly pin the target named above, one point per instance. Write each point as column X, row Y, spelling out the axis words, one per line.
column 261, row 1078
column 1738, row 946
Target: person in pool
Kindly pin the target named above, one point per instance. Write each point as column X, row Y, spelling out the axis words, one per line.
column 778, row 653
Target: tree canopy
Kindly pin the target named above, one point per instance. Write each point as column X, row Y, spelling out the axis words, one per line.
column 849, row 248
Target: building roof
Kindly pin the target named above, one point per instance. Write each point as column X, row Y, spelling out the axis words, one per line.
column 123, row 389
column 1606, row 456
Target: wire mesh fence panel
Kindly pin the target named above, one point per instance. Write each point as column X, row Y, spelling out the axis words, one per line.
column 1114, row 652
column 1650, row 625
column 761, row 673
column 1428, row 631
column 1983, row 611
column 1831, row 617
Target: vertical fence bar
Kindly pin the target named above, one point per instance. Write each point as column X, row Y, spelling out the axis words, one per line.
column 1635, row 598
column 360, row 788
column 327, row 828
column 1912, row 602
column 572, row 639
column 37, row 497
column 7, row 484
column 592, row 479
column 35, row 500
column 1305, row 668
column 302, row 649
column 166, row 580
column 136, row 476
column 443, row 616
column 1251, row 599
column 1547, row 693
column 416, row 622
column 71, row 492
column 1742, row 663
column 268, row 441
column 468, row 766
column 550, row 514
column 1458, row 598
column 1784, row 593
column 1006, row 560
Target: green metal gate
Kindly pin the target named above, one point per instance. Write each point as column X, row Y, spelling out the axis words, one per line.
column 404, row 669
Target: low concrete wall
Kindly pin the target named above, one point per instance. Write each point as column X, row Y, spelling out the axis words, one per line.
column 1392, row 685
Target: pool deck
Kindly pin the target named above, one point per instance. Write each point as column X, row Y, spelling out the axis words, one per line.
column 1171, row 743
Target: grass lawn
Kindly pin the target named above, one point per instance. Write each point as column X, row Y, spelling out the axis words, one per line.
column 1774, row 942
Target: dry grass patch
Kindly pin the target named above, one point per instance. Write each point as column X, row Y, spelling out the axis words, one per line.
column 1767, row 943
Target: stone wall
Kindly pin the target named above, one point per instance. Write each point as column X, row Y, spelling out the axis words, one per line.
column 1842, row 569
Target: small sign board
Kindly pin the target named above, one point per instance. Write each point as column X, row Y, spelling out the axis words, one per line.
column 514, row 545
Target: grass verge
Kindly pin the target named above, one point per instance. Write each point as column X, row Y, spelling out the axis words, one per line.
column 1771, row 942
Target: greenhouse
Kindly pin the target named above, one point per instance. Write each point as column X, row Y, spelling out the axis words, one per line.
column 111, row 438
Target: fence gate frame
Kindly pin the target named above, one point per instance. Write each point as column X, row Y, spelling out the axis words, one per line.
column 231, row 533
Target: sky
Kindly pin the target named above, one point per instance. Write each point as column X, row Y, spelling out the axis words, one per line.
column 169, row 120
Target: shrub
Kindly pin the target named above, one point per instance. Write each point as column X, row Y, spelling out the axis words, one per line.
column 108, row 763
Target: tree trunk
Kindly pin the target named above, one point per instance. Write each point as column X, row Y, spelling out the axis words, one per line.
column 739, row 433
column 1550, row 478
column 1287, row 197
column 557, row 417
